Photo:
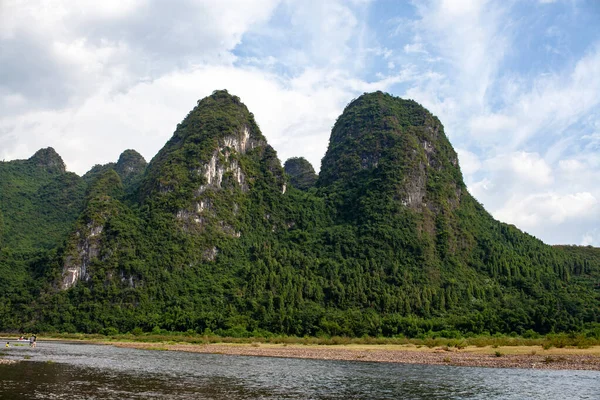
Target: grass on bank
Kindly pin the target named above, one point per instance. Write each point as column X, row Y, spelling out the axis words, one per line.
column 561, row 340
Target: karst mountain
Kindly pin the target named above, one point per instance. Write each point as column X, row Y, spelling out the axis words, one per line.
column 215, row 235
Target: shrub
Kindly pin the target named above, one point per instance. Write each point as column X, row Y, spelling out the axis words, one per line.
column 137, row 331
column 530, row 334
column 110, row 331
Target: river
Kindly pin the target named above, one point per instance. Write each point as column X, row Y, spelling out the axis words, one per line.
column 60, row 370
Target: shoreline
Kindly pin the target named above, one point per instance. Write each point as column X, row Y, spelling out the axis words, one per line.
column 530, row 357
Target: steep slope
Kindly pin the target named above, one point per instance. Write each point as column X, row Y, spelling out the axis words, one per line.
column 585, row 261
column 390, row 173
column 388, row 242
column 209, row 171
column 393, row 181
column 207, row 152
column 96, row 171
column 39, row 201
column 130, row 167
column 211, row 192
column 301, row 172
column 48, row 160
column 86, row 243
column 392, row 147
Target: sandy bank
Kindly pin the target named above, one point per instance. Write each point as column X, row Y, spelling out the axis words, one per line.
column 507, row 357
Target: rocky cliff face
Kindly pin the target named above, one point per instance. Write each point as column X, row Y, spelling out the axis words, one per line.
column 224, row 160
column 222, row 171
column 215, row 157
column 85, row 248
column 202, row 184
column 86, row 243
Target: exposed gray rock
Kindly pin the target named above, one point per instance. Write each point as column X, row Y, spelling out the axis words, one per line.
column 223, row 160
column 86, row 248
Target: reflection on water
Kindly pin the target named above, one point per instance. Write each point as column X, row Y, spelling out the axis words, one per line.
column 69, row 371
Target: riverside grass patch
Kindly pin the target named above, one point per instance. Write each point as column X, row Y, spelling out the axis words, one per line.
column 495, row 341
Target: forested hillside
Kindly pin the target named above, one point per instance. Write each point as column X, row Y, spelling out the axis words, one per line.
column 301, row 172
column 214, row 236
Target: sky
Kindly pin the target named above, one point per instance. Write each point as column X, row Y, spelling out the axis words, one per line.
column 516, row 84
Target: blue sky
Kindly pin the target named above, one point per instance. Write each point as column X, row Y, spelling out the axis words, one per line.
column 515, row 83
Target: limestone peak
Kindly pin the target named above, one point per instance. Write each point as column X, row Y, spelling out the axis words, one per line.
column 48, row 159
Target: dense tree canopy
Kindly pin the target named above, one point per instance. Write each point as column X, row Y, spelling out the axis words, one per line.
column 210, row 237
column 301, row 172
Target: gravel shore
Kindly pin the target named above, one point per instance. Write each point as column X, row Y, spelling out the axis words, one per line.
column 572, row 359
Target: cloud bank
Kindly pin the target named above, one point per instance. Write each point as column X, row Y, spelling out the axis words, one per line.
column 516, row 85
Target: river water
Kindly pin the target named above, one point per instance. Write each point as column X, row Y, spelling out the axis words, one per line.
column 57, row 370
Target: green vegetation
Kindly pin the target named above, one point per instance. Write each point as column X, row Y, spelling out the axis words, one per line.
column 569, row 341
column 38, row 202
column 130, row 167
column 301, row 172
column 386, row 245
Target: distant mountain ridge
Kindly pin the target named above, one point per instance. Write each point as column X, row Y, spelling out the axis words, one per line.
column 39, row 201
column 214, row 235
column 301, row 172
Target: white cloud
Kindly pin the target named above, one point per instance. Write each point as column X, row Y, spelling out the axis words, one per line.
column 492, row 124
column 591, row 238
column 481, row 189
column 548, row 209
column 416, row 47
column 296, row 116
column 525, row 168
column 518, row 134
column 465, row 34
column 571, row 166
column 593, row 140
column 469, row 162
column 94, row 78
column 57, row 52
column 473, row 43
column 118, row 111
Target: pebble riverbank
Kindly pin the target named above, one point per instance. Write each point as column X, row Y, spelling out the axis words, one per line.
column 472, row 357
